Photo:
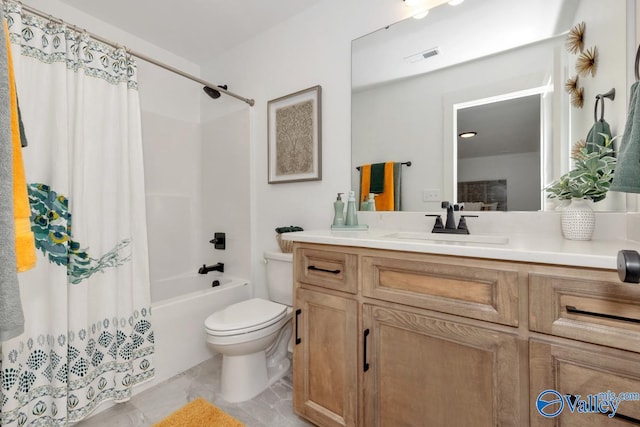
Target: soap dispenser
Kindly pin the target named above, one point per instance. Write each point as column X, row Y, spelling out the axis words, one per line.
column 338, row 207
column 352, row 218
column 371, row 202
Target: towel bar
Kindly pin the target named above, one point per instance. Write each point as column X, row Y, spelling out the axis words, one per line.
column 403, row 163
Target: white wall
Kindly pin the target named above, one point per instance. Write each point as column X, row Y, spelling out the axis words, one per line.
column 313, row 48
column 226, row 187
column 604, row 32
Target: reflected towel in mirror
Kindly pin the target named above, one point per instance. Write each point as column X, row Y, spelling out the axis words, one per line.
column 390, row 198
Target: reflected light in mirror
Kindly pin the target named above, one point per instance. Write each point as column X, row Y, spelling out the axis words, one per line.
column 467, row 134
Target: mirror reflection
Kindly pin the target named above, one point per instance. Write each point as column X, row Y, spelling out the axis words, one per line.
column 498, row 167
column 499, row 64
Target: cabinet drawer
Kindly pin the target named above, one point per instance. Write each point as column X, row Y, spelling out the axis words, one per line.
column 580, row 374
column 600, row 310
column 327, row 268
column 472, row 288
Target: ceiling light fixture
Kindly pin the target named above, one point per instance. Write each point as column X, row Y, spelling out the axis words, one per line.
column 419, row 8
column 467, row 134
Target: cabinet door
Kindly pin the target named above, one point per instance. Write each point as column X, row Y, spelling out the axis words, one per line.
column 325, row 378
column 424, row 371
column 577, row 374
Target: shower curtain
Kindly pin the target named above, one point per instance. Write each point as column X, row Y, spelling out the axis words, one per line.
column 88, row 335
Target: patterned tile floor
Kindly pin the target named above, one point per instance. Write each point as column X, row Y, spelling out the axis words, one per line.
column 273, row 407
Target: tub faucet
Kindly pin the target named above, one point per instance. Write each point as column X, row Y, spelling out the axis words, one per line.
column 207, row 268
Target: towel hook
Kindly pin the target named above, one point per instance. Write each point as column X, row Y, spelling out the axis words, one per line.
column 600, row 97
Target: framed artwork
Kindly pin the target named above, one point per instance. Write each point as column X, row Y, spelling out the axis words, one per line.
column 295, row 137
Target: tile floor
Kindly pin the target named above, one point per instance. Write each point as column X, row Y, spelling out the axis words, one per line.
column 272, row 408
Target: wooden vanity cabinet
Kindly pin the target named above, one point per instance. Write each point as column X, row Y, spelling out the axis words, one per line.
column 391, row 338
column 372, row 351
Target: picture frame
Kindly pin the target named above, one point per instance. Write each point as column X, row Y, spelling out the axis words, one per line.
column 295, row 137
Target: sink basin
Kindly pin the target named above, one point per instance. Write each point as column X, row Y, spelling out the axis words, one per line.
column 463, row 238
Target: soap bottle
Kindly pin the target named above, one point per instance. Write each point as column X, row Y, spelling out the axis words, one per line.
column 352, row 218
column 338, row 207
column 371, row 202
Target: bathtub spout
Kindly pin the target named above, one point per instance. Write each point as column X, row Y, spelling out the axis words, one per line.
column 207, row 268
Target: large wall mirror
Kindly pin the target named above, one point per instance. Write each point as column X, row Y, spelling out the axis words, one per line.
column 496, row 68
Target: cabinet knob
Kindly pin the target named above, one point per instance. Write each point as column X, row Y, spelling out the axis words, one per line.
column 629, row 266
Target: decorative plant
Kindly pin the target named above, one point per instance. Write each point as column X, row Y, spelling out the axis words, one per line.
column 591, row 176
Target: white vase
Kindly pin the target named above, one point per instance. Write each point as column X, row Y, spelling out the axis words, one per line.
column 578, row 220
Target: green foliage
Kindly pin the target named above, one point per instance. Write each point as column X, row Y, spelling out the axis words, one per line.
column 591, row 176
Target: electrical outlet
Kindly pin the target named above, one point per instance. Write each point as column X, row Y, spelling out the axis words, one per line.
column 432, row 195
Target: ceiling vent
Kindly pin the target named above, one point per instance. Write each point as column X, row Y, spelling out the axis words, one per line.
column 423, row 55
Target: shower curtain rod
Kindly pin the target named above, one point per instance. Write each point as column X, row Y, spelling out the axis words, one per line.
column 146, row 58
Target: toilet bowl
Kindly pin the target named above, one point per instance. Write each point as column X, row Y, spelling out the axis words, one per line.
column 253, row 335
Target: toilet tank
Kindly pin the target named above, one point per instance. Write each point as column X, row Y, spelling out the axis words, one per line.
column 279, row 268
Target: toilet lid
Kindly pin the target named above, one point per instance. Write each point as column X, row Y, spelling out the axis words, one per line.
column 245, row 316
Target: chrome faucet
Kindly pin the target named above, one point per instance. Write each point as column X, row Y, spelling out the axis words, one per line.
column 207, row 268
column 450, row 224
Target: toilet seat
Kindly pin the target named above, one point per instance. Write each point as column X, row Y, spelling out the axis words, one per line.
column 244, row 317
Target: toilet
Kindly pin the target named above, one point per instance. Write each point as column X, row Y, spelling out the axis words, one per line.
column 253, row 336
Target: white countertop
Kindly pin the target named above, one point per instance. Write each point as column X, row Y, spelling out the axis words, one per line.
column 597, row 253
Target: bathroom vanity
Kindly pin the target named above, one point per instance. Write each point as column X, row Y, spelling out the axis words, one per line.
column 405, row 333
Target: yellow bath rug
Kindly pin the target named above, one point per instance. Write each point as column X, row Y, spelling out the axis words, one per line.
column 199, row 413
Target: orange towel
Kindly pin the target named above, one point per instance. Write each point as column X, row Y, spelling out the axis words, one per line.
column 25, row 243
column 365, row 182
column 384, row 200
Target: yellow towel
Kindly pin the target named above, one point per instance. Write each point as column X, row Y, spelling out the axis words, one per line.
column 384, row 200
column 25, row 243
column 365, row 182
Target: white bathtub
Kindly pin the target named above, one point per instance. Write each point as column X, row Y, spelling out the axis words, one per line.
column 179, row 308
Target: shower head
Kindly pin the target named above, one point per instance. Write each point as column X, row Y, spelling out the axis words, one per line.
column 215, row 94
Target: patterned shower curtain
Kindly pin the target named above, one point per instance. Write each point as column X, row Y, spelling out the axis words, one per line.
column 88, row 336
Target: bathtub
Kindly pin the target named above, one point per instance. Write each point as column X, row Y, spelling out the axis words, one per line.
column 179, row 308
